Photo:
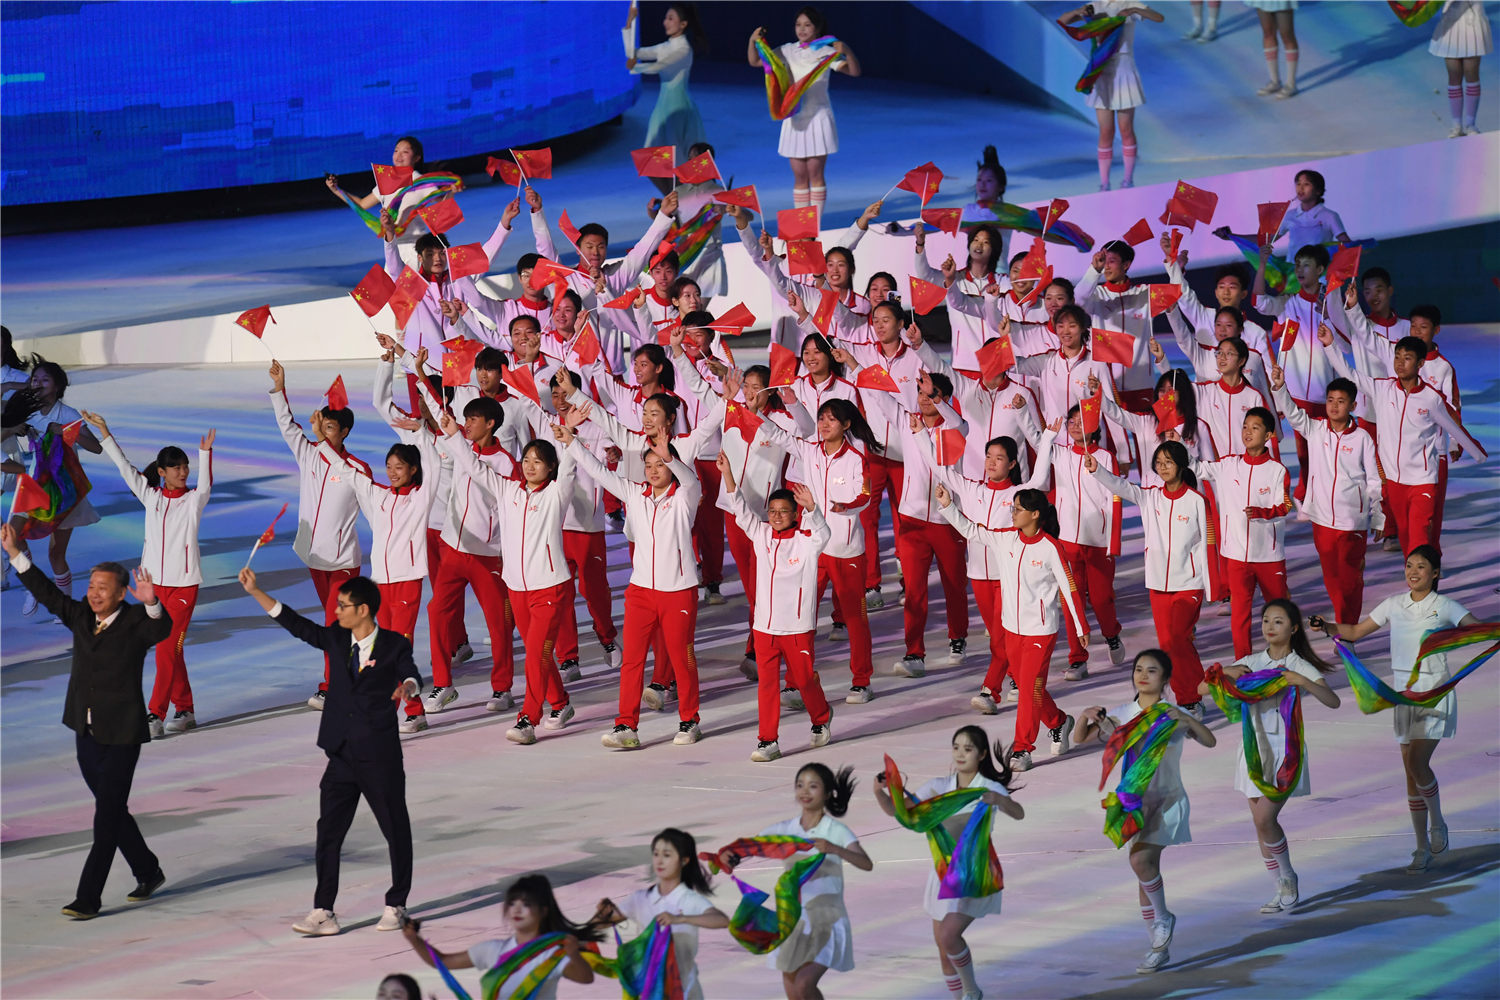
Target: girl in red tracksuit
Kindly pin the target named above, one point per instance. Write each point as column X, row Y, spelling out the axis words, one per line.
column 170, row 552
column 1034, row 581
column 664, row 580
column 1178, row 529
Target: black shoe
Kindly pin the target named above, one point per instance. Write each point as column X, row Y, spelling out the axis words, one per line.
column 146, row 886
column 78, row 911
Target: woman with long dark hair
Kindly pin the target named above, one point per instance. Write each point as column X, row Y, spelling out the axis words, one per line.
column 675, row 120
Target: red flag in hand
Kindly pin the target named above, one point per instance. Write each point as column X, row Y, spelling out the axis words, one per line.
column 995, row 358
column 522, row 381
column 1114, row 347
column 508, row 171
column 823, row 317
column 667, row 246
column 389, row 179
column 1038, row 288
column 569, row 230
column 1034, row 264
column 944, row 219
column 458, row 360
column 1174, row 245
column 741, row 418
column 1167, row 416
column 442, row 216
column 270, row 532
column 1178, row 214
column 797, row 223
column 535, row 164
column 1200, row 204
column 1288, row 331
column 71, row 431
column 1138, row 233
column 875, row 377
column 411, row 288
column 1090, row 409
column 925, row 296
column 548, row 272
column 1163, row 297
column 1053, row 212
column 805, row 257
column 741, row 197
column 466, row 260
column 664, row 330
column 922, row 181
column 586, row 344
column 734, row 322
column 254, row 320
column 374, row 290
column 699, row 170
column 29, row 496
column 338, row 399
column 655, row 161
column 1270, row 213
column 949, row 447
column 1345, row 265
column 783, row 366
column 626, row 299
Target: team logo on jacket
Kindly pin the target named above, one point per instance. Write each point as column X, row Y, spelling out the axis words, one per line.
column 1039, row 563
column 839, row 480
column 793, row 560
column 1264, row 490
column 1421, row 411
column 1183, row 518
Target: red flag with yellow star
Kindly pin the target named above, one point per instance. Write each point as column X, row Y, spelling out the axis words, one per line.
column 1167, row 416
column 522, row 381
column 458, row 360
column 466, row 260
column 699, row 170
column 1054, row 211
column 29, row 496
column 411, row 288
column 1343, row 266
column 823, row 317
column 535, row 164
column 1200, row 204
column 337, row 395
column 922, row 181
column 586, row 344
column 374, row 290
column 995, row 358
column 925, row 296
column 805, row 257
column 441, row 216
column 655, row 161
column 943, row 219
column 626, row 299
column 508, row 171
column 734, row 322
column 1090, row 410
column 741, row 418
column 254, row 320
column 389, row 179
column 1163, row 297
column 741, row 197
column 875, row 377
column 1288, row 331
column 783, row 366
column 1114, row 347
column 1269, row 215
column 1138, row 233
column 797, row 223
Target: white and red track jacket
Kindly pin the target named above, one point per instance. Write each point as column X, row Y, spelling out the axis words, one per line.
column 1034, row 578
column 886, row 411
column 585, row 509
column 1260, row 485
column 1223, row 408
column 170, row 550
column 758, row 464
column 326, row 506
column 427, row 327
column 1087, row 512
column 1062, row 382
column 1343, row 478
column 1149, row 437
column 1201, row 317
column 947, row 438
column 661, row 526
column 1123, row 306
column 398, row 518
column 1178, row 533
column 966, row 309
column 786, row 568
column 841, row 478
column 439, row 478
column 812, row 395
column 1305, row 368
column 1010, row 410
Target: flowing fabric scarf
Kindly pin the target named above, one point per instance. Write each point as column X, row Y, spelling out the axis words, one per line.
column 1281, row 274
column 1140, row 744
column 966, row 867
column 1231, row 695
column 56, row 470
column 646, row 965
column 546, row 946
column 1375, row 695
column 1026, row 220
column 1104, row 35
column 757, row 929
column 693, row 235
column 784, row 94
column 421, row 192
column 1415, row 14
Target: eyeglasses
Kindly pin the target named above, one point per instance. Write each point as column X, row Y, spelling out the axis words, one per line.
column 346, row 606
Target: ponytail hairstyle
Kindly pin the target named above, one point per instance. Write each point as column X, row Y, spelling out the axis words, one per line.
column 10, row 358
column 667, row 402
column 838, row 789
column 1300, row 645
column 848, row 256
column 537, row 891
column 655, row 354
column 773, row 398
column 694, row 30
column 990, row 161
column 687, row 848
column 1036, row 501
column 818, row 341
column 546, row 451
column 846, row 412
column 1176, row 451
column 411, row 455
column 1315, row 179
column 1178, row 381
column 994, row 762
column 170, row 457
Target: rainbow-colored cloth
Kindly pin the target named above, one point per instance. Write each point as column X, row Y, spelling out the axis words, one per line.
column 757, row 929
column 1104, row 37
column 1231, row 695
column 1281, row 274
column 646, row 965
column 1375, row 695
column 1140, row 744
column 967, row 867
column 1026, row 220
column 1415, row 14
column 692, row 236
column 783, row 94
column 421, row 192
column 56, row 470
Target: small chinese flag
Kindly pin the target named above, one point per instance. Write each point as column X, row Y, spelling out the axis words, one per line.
column 520, row 380
column 783, row 366
column 494, row 165
column 1163, row 297
column 925, row 296
column 586, row 345
column 655, row 161
column 535, row 164
column 805, row 257
column 1174, row 245
column 1167, row 416
column 29, row 496
column 1200, row 204
column 735, row 321
column 667, row 246
column 944, row 219
column 270, row 533
column 569, row 230
column 1270, row 213
column 1178, row 214
column 254, row 320
column 949, row 447
column 699, row 170
column 338, row 398
column 1345, row 265
column 466, row 260
column 442, row 216
column 389, row 179
column 1138, row 233
column 458, row 360
column 741, row 197
column 547, row 272
column 741, row 418
column 995, row 358
column 922, row 181
column 797, row 223
column 875, row 377
column 1053, row 212
column 374, row 290
column 823, row 317
column 1039, row 287
column 1113, row 347
column 508, row 171
column 1034, row 264
column 625, row 299
column 70, row 433
column 664, row 330
column 411, row 288
column 1289, row 331
column 1090, row 409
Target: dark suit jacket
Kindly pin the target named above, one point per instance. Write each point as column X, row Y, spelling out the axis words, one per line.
column 357, row 709
column 107, row 667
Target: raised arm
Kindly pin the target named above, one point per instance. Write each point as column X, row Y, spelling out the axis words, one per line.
column 1115, row 484
column 291, row 432
column 116, row 454
column 599, row 472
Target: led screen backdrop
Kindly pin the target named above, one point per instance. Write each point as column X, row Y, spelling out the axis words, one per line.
column 102, row 100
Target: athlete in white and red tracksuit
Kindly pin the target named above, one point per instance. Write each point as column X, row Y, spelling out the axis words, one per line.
column 786, row 603
column 1034, row 582
column 1223, row 403
column 1088, row 517
column 1062, row 376
column 993, row 408
column 1179, row 572
column 326, row 507
column 663, row 589
column 170, row 552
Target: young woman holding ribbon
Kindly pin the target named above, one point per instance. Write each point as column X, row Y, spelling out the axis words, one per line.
column 1111, row 81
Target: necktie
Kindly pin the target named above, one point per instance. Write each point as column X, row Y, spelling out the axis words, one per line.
column 99, row 627
column 354, row 659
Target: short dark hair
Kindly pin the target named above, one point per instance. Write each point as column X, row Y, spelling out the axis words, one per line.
column 1430, row 313
column 523, row 317
column 1415, row 345
column 417, row 156
column 120, row 573
column 1074, row 411
column 670, row 259
column 1005, row 443
column 1065, row 285
column 1125, row 251
column 1430, row 553
column 674, row 291
column 527, row 262
column 697, row 148
column 572, row 375
column 572, row 297
column 485, row 408
column 1264, row 416
column 362, row 590
column 1235, row 271
column 430, row 241
column 593, row 229
column 942, row 383
column 1377, row 274
column 782, row 494
column 344, row 418
column 1315, row 252
column 1345, row 386
column 490, row 359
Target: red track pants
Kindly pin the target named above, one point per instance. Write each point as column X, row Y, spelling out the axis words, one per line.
column 1030, row 656
column 1318, row 411
column 539, row 616
column 1093, row 570
column 675, row 614
column 327, row 583
column 708, row 525
column 987, row 596
column 459, row 632
column 171, row 682
column 742, row 551
column 400, row 606
column 1414, row 509
column 482, row 573
column 847, row 578
column 885, row 477
column 1243, row 578
column 1175, row 613
column 797, row 652
column 588, row 563
column 1342, row 556
column 917, row 543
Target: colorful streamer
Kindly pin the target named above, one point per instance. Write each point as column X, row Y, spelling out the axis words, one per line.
column 1026, row 220
column 783, row 94
column 776, row 847
column 1104, row 35
column 759, row 930
column 56, row 470
column 1414, row 15
column 1140, row 744
column 966, row 867
column 448, row 978
column 421, row 192
column 1231, row 694
column 1281, row 274
column 1375, row 695
column 646, row 965
column 693, row 235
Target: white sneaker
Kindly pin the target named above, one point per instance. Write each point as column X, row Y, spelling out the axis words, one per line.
column 821, row 735
column 688, row 733
column 522, row 732
column 910, row 666
column 1012, row 691
column 748, row 669
column 1208, row 36
column 1270, row 89
column 984, row 703
column 839, row 632
column 1471, row 128
column 1285, row 92
column 766, row 751
column 1153, row 961
column 440, row 697
column 1420, row 859
column 1161, row 931
column 1286, row 890
column 153, row 724
column 315, row 701
column 1020, row 760
column 612, row 655
column 28, row 606
column 1076, row 672
column 858, row 695
column 1062, row 737
column 558, row 717
column 714, row 597
column 570, row 670
column 1437, row 836
column 318, row 923
column 392, row 918
column 957, row 649
column 874, row 599
column 1224, row 609
column 1273, row 905
column 1116, row 650
column 499, row 701
column 621, row 738
column 791, row 699
column 463, row 654
column 181, row 722
column 1193, row 33
column 655, row 697
column 412, row 724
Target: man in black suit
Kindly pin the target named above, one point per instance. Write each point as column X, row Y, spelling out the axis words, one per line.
column 105, row 709
column 370, row 668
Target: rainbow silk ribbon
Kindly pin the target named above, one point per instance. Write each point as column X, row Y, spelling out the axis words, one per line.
column 421, row 192
column 693, row 235
column 1140, row 744
column 646, row 965
column 757, row 929
column 1281, row 274
column 1375, row 695
column 56, row 470
column 783, row 94
column 1232, row 694
column 547, row 947
column 1104, row 35
column 1415, row 14
column 967, row 867
column 1026, row 220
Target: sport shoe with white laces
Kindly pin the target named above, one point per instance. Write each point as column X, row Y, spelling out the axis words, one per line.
column 655, row 697
column 439, row 697
column 1061, row 737
column 1161, row 931
column 181, row 722
column 1153, row 962
column 821, row 735
column 499, row 701
column 391, row 918
column 612, row 655
column 154, row 725
column 1116, row 649
column 413, row 724
column 1012, row 691
column 766, row 751
column 984, row 702
column 688, row 733
column 874, row 599
column 1020, row 760
column 791, row 699
column 318, row 923
column 910, row 666
column 859, row 694
column 570, row 670
column 463, row 654
column 558, row 717
column 522, row 732
column 622, row 737
column 957, row 648
column 1286, row 892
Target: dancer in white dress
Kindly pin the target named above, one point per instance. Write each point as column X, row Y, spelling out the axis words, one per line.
column 675, row 120
column 1117, row 92
column 810, row 135
column 1460, row 37
column 1278, row 17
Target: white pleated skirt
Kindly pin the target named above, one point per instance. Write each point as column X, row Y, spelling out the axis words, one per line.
column 810, row 132
column 1436, row 723
column 969, row 906
column 1118, row 87
column 1462, row 31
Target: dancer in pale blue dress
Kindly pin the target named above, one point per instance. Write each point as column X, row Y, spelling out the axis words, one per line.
column 675, row 120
